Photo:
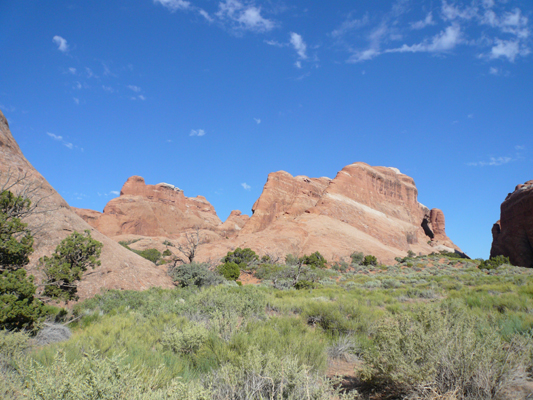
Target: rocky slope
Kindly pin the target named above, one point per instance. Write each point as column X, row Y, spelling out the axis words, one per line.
column 369, row 209
column 120, row 269
column 512, row 235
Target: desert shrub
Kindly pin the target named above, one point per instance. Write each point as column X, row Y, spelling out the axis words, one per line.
column 167, row 253
column 256, row 376
column 303, row 285
column 194, row 274
column 341, row 266
column 105, row 378
column 244, row 258
column 315, row 260
column 186, row 340
column 70, row 260
column 229, row 270
column 52, row 333
column 152, row 255
column 370, row 260
column 267, row 271
column 445, row 349
column 291, row 259
column 357, row 258
column 13, row 343
column 343, row 347
column 494, row 262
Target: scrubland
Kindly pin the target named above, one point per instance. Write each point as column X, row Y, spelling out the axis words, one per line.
column 431, row 327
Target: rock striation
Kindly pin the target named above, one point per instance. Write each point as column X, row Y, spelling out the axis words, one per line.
column 120, row 269
column 512, row 235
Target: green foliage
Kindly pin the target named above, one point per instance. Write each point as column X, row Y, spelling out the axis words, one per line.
column 16, row 240
column 152, row 255
column 19, row 308
column 447, row 349
column 411, row 254
column 244, row 258
column 303, row 285
column 65, row 267
column 315, row 260
column 167, row 253
column 494, row 262
column 186, row 340
column 195, row 274
column 370, row 260
column 357, row 258
column 291, row 259
column 229, row 270
column 13, row 344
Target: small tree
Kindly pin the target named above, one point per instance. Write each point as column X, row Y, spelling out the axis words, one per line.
column 370, row 260
column 189, row 248
column 19, row 308
column 245, row 258
column 70, row 260
column 229, row 270
column 315, row 260
column 357, row 258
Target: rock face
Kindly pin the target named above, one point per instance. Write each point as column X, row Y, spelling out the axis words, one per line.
column 369, row 209
column 152, row 210
column 512, row 235
column 120, row 269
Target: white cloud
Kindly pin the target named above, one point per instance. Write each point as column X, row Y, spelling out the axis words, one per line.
column 349, row 25
column 298, row 64
column 493, row 162
column 141, row 97
column 136, row 89
column 274, row 43
column 364, row 55
column 245, row 186
column 299, row 45
column 115, row 192
column 76, row 100
column 517, row 147
column 257, row 120
column 243, row 17
column 444, row 41
column 204, row 14
column 108, row 89
column 55, row 137
column 199, row 132
column 494, row 71
column 61, row 43
column 505, row 48
column 174, row 5
column 425, row 22
column 451, row 12
column 69, row 145
column 72, row 71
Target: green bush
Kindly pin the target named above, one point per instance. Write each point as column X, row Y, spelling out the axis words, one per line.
column 70, row 260
column 186, row 340
column 315, row 260
column 244, row 258
column 370, row 260
column 304, row 285
column 194, row 274
column 167, row 253
column 152, row 255
column 19, row 308
column 357, row 258
column 447, row 349
column 494, row 262
column 229, row 270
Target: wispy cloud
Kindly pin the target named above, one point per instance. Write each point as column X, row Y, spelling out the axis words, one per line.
column 174, row 5
column 423, row 23
column 61, row 43
column 136, row 89
column 197, row 132
column 299, row 45
column 245, row 186
column 257, row 120
column 115, row 192
column 493, row 162
column 72, row 71
column 60, row 139
column 444, row 41
column 243, row 17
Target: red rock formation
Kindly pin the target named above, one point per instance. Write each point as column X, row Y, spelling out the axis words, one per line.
column 120, row 269
column 512, row 235
column 369, row 209
column 152, row 210
column 233, row 223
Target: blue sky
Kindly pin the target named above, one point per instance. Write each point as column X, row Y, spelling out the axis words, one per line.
column 211, row 96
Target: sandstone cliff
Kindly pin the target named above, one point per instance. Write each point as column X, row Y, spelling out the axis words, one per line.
column 512, row 235
column 120, row 269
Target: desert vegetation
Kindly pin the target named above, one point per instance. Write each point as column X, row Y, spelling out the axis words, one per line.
column 428, row 327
